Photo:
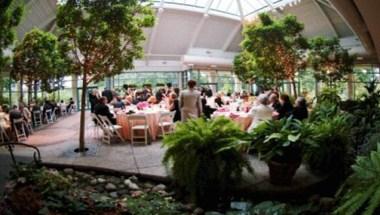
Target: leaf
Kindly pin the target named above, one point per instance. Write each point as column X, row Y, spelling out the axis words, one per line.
column 273, row 136
column 294, row 138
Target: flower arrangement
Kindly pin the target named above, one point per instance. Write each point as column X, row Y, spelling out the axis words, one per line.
column 142, row 105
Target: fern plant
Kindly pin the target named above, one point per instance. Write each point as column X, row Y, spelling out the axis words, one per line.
column 205, row 159
column 361, row 191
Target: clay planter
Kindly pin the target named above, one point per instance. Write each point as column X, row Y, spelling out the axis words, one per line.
column 282, row 173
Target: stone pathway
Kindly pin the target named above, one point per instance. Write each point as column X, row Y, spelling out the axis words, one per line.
column 58, row 141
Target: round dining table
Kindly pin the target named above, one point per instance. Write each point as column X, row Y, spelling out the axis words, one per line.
column 243, row 119
column 152, row 117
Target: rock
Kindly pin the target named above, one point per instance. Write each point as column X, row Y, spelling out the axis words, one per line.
column 110, row 187
column 114, row 194
column 137, row 193
column 148, row 185
column 101, row 180
column 159, row 187
column 241, row 206
column 121, row 186
column 133, row 178
column 68, row 171
column 198, row 211
column 163, row 193
column 326, row 203
column 131, row 185
column 83, row 175
column 93, row 181
column 21, row 180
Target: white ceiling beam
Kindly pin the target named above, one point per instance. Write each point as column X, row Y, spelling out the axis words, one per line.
column 326, row 4
column 197, row 31
column 332, row 28
column 152, row 37
column 240, row 10
column 231, row 37
column 208, row 6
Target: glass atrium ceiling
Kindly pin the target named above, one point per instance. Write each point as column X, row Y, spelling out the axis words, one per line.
column 240, row 9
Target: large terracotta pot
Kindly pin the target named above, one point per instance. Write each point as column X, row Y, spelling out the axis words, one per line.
column 282, row 173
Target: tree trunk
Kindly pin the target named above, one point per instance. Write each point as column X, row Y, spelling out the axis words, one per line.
column 35, row 90
column 21, row 98
column 30, row 91
column 82, row 113
column 294, row 87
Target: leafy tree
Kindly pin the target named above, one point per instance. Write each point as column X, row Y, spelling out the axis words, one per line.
column 38, row 58
column 275, row 49
column 330, row 61
column 10, row 17
column 104, row 37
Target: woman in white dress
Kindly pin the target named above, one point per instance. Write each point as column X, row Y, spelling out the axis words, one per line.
column 260, row 112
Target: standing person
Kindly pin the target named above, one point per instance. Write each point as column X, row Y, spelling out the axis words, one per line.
column 191, row 105
column 93, row 97
column 174, row 106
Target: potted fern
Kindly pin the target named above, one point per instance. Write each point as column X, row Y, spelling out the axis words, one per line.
column 205, row 158
column 280, row 144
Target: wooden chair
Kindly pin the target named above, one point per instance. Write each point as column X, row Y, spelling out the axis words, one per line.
column 19, row 129
column 37, row 118
column 165, row 124
column 134, row 127
column 110, row 131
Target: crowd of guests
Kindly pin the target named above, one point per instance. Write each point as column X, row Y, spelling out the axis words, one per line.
column 194, row 102
column 43, row 112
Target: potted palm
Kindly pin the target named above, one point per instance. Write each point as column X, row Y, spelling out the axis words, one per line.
column 205, row 159
column 280, row 144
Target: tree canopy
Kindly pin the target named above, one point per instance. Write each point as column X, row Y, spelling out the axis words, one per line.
column 275, row 49
column 10, row 17
column 39, row 58
column 104, row 38
column 330, row 61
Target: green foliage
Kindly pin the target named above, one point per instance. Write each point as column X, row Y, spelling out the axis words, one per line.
column 332, row 149
column 205, row 159
column 152, row 204
column 103, row 37
column 10, row 17
column 281, row 140
column 324, row 111
column 39, row 58
column 330, row 61
column 361, row 192
column 329, row 95
column 271, row 50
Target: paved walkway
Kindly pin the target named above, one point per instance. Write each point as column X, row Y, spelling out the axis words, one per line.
column 58, row 141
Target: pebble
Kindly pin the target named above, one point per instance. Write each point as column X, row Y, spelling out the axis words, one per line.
column 21, row 180
column 133, row 178
column 198, row 211
column 131, row 185
column 101, row 180
column 68, row 170
column 137, row 193
column 93, row 182
column 114, row 194
column 159, row 187
column 148, row 185
column 110, row 187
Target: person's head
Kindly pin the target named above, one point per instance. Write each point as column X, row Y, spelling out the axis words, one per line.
column 152, row 100
column 262, row 99
column 14, row 107
column 21, row 105
column 173, row 96
column 284, row 99
column 273, row 98
column 301, row 102
column 176, row 90
column 191, row 84
column 103, row 100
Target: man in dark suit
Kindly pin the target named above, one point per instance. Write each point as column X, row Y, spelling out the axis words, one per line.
column 108, row 94
column 102, row 109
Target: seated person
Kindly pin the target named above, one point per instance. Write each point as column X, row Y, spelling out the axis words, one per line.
column 174, row 106
column 219, row 100
column 70, row 106
column 14, row 114
column 25, row 113
column 300, row 110
column 4, row 118
column 260, row 112
column 118, row 103
column 286, row 108
column 152, row 100
column 102, row 109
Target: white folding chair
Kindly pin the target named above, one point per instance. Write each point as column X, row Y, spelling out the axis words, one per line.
column 37, row 118
column 110, row 130
column 134, row 126
column 166, row 121
column 18, row 125
column 63, row 109
column 97, row 124
column 54, row 115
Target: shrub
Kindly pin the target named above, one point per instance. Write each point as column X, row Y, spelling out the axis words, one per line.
column 205, row 158
column 360, row 194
